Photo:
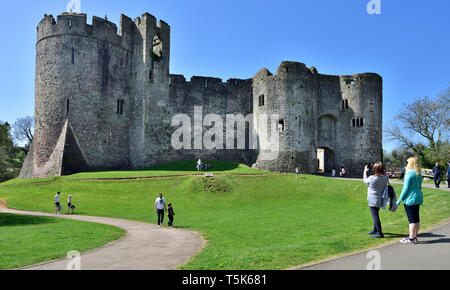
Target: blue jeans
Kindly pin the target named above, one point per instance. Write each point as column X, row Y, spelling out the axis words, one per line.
column 376, row 219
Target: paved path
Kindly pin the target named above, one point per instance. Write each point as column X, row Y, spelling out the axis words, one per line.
column 432, row 253
column 427, row 185
column 145, row 247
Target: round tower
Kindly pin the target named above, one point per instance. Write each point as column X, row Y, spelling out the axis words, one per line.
column 362, row 129
column 83, row 77
column 289, row 99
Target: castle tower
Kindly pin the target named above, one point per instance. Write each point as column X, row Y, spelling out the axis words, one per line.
column 324, row 121
column 292, row 94
column 360, row 136
column 104, row 99
column 150, row 77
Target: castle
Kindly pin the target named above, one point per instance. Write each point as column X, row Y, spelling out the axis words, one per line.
column 104, row 100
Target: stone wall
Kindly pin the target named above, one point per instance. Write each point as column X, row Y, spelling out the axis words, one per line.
column 214, row 97
column 109, row 96
column 291, row 93
column 82, row 71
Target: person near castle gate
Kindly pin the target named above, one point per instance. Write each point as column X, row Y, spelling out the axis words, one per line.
column 375, row 188
column 160, row 209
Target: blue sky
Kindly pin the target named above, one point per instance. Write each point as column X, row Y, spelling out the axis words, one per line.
column 408, row 44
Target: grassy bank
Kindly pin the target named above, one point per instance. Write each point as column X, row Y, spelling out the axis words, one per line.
column 27, row 240
column 250, row 222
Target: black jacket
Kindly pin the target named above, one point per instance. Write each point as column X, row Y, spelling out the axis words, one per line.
column 437, row 171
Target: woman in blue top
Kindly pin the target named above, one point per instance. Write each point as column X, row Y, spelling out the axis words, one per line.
column 412, row 198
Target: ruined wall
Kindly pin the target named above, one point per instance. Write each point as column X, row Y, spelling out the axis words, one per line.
column 82, row 71
column 350, row 119
column 291, row 93
column 105, row 100
column 340, row 114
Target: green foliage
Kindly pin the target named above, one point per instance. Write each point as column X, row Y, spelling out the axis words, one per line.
column 11, row 157
column 422, row 129
column 262, row 222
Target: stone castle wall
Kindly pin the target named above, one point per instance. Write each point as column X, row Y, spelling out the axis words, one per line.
column 110, row 95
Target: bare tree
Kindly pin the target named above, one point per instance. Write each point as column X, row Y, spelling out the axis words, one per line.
column 425, row 118
column 23, row 129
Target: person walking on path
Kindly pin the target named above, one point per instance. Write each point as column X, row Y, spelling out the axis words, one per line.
column 437, row 175
column 170, row 215
column 412, row 198
column 57, row 203
column 375, row 188
column 69, row 204
column 160, row 209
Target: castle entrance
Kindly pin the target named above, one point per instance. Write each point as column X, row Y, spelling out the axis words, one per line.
column 325, row 158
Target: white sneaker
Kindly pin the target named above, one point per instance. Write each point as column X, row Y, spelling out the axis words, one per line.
column 407, row 241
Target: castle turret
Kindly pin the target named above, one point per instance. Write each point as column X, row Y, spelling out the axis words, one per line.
column 151, row 125
column 83, row 80
column 105, row 100
column 292, row 95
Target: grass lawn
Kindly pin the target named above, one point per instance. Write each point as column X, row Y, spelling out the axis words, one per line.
column 169, row 169
column 27, row 240
column 253, row 222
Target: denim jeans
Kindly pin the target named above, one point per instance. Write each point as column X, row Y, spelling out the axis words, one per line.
column 160, row 217
column 376, row 219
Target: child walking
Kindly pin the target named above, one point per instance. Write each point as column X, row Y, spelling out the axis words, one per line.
column 170, row 214
column 70, row 206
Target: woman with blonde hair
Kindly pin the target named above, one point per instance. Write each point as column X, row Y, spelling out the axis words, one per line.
column 412, row 198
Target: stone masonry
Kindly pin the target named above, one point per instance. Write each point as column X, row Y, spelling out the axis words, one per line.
column 104, row 100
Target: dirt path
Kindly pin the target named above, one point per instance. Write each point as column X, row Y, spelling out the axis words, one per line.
column 145, row 247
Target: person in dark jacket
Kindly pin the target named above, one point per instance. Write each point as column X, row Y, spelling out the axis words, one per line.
column 171, row 215
column 448, row 174
column 437, row 175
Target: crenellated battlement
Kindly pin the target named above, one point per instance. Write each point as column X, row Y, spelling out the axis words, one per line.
column 200, row 82
column 117, row 78
column 76, row 24
column 149, row 21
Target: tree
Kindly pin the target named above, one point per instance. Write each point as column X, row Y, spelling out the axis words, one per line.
column 8, row 169
column 23, row 129
column 425, row 118
column 423, row 127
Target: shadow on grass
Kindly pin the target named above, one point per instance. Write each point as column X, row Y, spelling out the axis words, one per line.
column 12, row 220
